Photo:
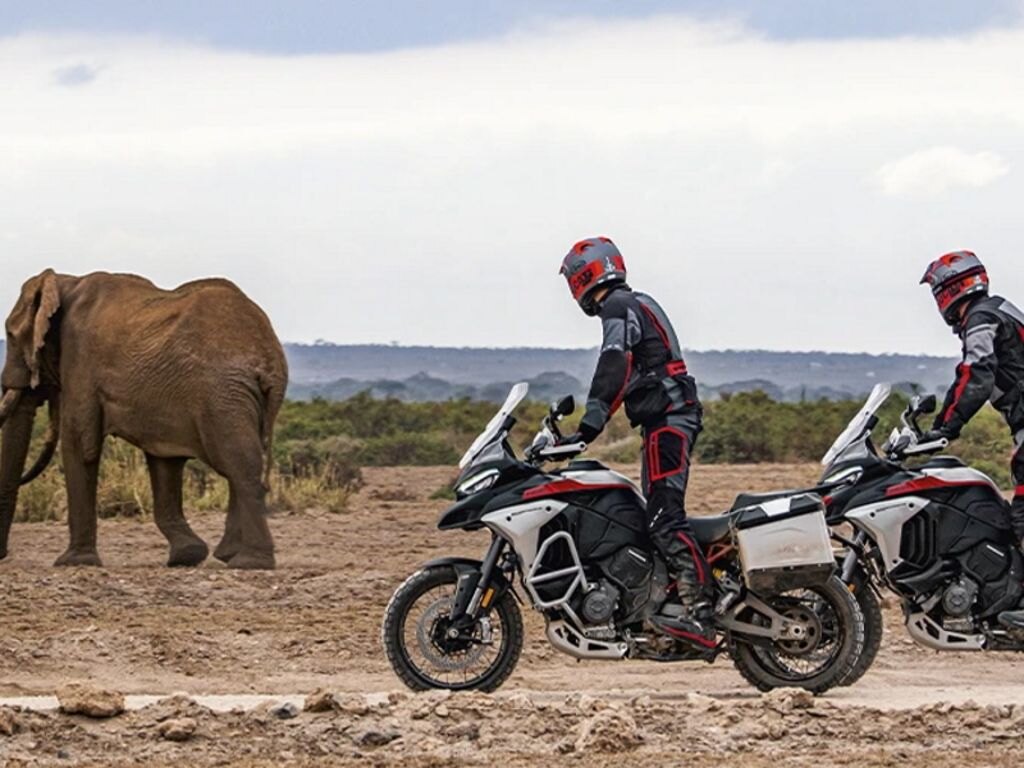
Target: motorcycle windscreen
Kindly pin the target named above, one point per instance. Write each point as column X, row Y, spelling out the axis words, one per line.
column 855, row 429
column 493, row 428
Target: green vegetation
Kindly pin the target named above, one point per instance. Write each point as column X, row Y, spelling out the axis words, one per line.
column 320, row 447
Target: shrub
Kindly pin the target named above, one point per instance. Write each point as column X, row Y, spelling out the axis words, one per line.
column 408, row 449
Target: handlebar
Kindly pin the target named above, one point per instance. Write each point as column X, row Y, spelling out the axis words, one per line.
column 545, row 446
column 906, row 444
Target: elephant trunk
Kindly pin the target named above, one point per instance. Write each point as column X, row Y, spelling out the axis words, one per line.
column 50, row 446
column 9, row 402
column 14, row 442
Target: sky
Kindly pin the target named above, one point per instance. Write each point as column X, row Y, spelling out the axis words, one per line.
column 777, row 174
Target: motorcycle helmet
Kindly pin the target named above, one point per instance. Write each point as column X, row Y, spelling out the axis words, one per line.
column 591, row 264
column 953, row 278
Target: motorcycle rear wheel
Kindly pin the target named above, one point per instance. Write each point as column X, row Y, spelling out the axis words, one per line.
column 423, row 657
column 839, row 644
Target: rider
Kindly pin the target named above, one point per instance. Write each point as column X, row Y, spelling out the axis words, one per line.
column 992, row 332
column 641, row 365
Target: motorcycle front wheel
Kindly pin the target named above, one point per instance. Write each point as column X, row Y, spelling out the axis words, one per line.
column 824, row 655
column 416, row 641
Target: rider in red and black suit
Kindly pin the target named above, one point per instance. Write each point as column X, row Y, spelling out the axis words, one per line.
column 992, row 332
column 641, row 365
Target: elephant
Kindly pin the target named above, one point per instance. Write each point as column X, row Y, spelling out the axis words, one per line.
column 191, row 373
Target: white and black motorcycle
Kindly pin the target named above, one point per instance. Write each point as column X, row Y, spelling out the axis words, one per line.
column 934, row 532
column 575, row 540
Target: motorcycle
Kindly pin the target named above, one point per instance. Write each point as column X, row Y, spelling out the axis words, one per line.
column 937, row 535
column 575, row 540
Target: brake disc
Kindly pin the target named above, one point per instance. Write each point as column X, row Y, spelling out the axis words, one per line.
column 435, row 614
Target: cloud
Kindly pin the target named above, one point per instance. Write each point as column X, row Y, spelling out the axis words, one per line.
column 75, row 75
column 428, row 195
column 929, row 173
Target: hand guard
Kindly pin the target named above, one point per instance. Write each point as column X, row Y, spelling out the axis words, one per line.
column 934, row 435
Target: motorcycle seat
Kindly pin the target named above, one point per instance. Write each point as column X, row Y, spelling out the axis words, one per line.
column 710, row 529
column 752, row 499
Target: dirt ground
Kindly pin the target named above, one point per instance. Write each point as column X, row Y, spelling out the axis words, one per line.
column 138, row 628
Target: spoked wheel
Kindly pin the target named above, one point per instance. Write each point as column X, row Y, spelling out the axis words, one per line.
column 427, row 650
column 824, row 644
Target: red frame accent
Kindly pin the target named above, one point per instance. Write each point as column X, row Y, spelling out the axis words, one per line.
column 717, row 552
column 568, row 486
column 654, row 471
column 1018, row 491
column 961, row 385
column 928, row 483
column 690, row 636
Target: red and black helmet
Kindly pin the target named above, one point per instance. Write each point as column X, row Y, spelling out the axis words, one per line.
column 953, row 278
column 589, row 265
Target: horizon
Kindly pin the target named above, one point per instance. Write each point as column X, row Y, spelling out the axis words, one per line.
column 394, row 345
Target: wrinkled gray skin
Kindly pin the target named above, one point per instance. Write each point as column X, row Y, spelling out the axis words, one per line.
column 196, row 372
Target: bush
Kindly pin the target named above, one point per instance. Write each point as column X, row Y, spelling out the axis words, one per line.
column 409, row 449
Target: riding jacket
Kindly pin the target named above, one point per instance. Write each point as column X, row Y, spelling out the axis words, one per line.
column 992, row 333
column 640, row 364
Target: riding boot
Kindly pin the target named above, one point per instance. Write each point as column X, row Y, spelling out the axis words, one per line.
column 692, row 618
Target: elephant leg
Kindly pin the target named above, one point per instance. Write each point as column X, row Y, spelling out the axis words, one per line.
column 231, row 542
column 257, row 545
column 81, row 475
column 186, row 549
column 234, row 449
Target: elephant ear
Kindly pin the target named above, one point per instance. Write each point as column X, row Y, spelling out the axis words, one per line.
column 46, row 302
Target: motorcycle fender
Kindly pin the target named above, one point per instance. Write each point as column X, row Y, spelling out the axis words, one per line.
column 468, row 571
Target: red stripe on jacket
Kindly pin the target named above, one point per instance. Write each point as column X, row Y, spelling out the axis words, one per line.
column 961, row 385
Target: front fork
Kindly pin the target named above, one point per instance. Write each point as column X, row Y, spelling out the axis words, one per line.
column 474, row 590
column 854, row 550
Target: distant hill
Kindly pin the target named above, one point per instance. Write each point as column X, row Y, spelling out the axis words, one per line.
column 431, row 373
column 441, row 373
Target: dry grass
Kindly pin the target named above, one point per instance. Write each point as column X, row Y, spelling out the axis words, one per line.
column 125, row 492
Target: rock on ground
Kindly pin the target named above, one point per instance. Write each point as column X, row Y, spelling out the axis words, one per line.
column 610, row 730
column 9, row 724
column 178, row 729
column 88, row 700
column 319, row 701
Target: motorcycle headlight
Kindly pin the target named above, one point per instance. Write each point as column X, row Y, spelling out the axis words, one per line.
column 479, row 482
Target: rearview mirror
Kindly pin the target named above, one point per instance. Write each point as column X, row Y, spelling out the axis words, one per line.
column 565, row 406
column 927, row 404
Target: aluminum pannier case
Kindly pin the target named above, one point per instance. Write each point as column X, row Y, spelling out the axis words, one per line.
column 784, row 543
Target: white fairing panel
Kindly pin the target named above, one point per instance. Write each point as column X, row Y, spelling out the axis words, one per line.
column 520, row 526
column 859, row 422
column 515, row 397
column 961, row 476
column 601, row 477
column 884, row 523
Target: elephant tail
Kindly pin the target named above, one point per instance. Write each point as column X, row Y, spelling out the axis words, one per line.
column 273, row 399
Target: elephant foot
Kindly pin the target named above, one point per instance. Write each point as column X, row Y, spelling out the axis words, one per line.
column 79, row 557
column 253, row 561
column 189, row 555
column 226, row 550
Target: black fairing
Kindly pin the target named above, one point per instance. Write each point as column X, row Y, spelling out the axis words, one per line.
column 513, row 477
column 610, row 532
column 971, row 539
column 964, row 531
